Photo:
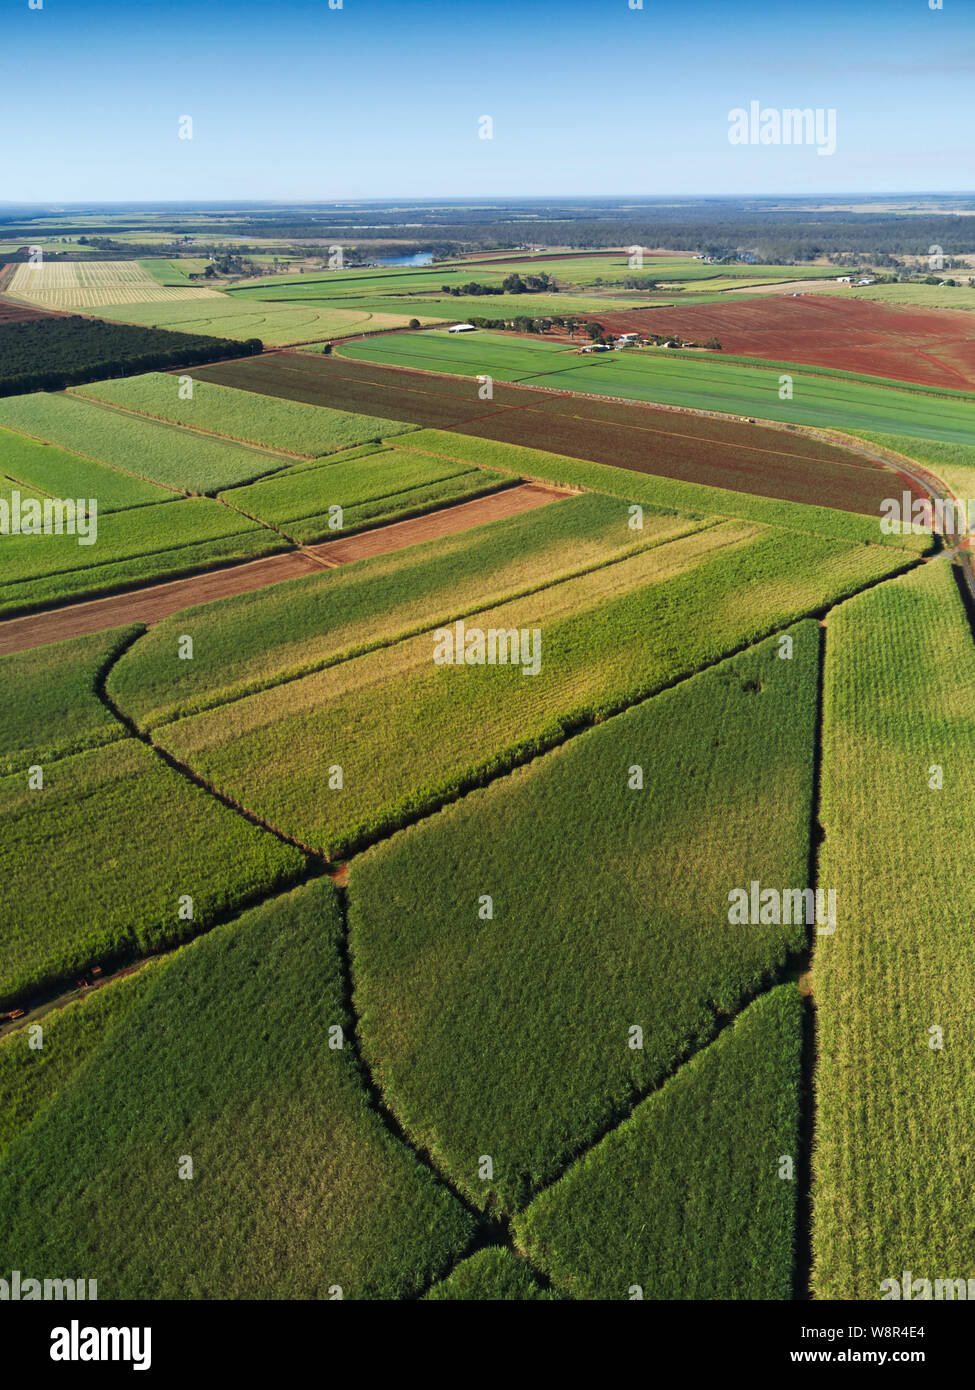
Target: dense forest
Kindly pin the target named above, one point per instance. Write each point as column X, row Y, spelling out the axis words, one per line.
column 49, row 354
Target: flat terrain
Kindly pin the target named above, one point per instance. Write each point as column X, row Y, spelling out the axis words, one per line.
column 158, row 601
column 723, row 453
column 934, row 347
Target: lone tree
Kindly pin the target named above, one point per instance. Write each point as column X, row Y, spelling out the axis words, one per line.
column 413, row 323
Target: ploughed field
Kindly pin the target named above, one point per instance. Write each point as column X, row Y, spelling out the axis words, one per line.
column 934, row 347
column 723, row 453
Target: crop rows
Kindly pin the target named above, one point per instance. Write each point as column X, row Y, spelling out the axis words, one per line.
column 287, row 425
column 609, row 638
column 895, row 1078
column 508, row 1029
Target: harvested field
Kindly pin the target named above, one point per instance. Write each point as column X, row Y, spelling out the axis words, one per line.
column 90, row 284
column 720, row 452
column 932, row 347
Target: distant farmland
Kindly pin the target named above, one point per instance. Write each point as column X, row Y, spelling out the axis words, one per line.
column 934, row 347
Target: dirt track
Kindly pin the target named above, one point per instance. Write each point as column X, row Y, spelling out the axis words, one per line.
column 158, row 601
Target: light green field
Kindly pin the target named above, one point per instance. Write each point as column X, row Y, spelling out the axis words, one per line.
column 893, row 1108
column 173, row 458
column 277, row 325
column 242, row 416
column 252, row 641
column 826, row 402
column 60, row 474
column 700, row 597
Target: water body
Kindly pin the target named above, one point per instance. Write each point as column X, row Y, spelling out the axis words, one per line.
column 420, row 258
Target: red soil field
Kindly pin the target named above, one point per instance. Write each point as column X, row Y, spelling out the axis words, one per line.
column 19, row 313
column 648, row 439
column 931, row 347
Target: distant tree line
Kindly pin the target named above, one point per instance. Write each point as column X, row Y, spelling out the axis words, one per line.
column 50, row 354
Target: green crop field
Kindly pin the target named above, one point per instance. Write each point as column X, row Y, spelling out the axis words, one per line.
column 170, row 457
column 652, row 375
column 297, row 1189
column 51, row 703
column 688, row 1198
column 384, row 486
column 106, row 892
column 253, row 641
column 453, row 726
column 277, row 325
column 61, row 474
column 31, row 1077
column 515, row 1038
column 494, row 1274
column 290, row 426
column 146, row 543
column 896, row 1071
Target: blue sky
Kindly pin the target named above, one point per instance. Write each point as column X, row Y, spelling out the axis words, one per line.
column 381, row 98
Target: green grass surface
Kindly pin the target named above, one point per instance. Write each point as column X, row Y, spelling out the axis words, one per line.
column 685, row 1199
column 268, row 421
column 173, row 457
column 251, row 641
column 388, row 480
column 494, row 1275
column 95, row 863
column 51, row 706
column 510, row 1037
column 60, row 474
column 297, row 1188
column 893, row 1130
column 145, row 543
column 827, row 402
column 608, row 638
column 33, row 1076
column 275, row 324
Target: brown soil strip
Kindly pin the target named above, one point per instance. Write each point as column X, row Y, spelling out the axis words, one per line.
column 157, row 601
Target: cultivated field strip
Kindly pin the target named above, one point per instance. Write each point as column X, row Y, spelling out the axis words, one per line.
column 825, row 402
column 300, row 1189
column 895, row 1073
column 254, row 641
column 540, row 1054
column 687, row 1198
column 698, row 597
column 52, row 704
column 182, row 459
column 646, row 438
column 136, row 546
column 290, row 426
column 117, row 893
column 62, row 474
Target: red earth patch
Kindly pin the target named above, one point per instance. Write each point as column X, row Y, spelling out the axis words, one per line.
column 931, row 347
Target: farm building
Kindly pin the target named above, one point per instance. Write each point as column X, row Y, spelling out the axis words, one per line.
column 461, row 328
